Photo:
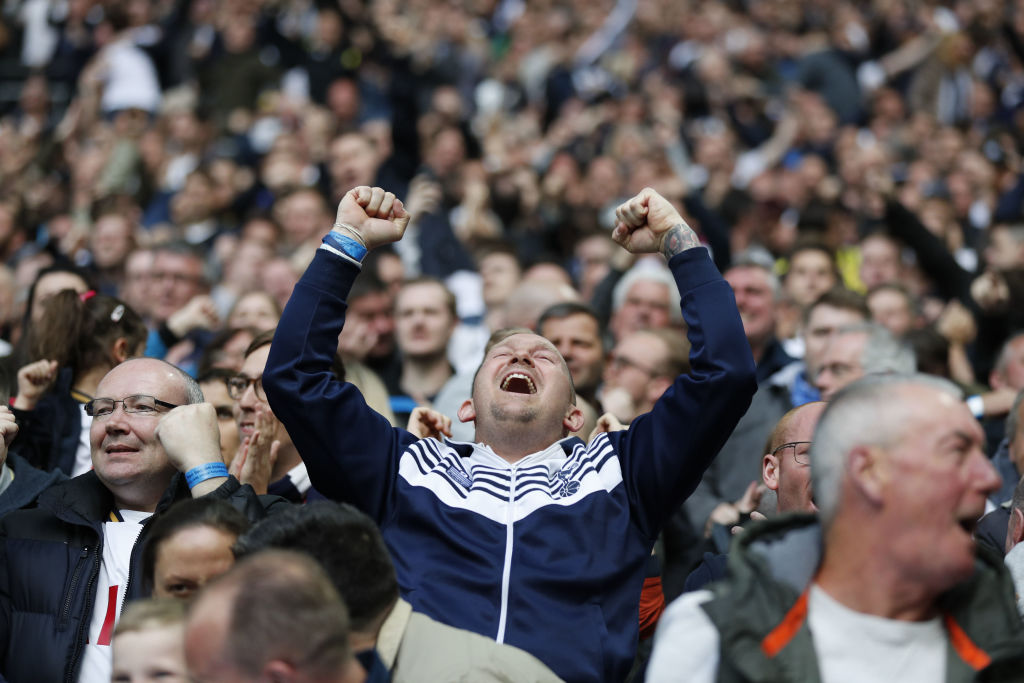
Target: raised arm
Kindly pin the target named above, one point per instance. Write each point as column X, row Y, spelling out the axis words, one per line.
column 665, row 452
column 350, row 451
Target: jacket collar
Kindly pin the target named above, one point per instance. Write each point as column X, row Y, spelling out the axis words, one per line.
column 86, row 501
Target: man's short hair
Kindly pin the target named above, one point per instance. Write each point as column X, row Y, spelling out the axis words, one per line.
column 868, row 412
column 283, row 607
column 778, row 435
column 193, row 392
column 346, row 543
column 677, row 352
column 818, row 246
column 661, row 275
column 266, row 338
column 152, row 613
column 883, row 353
column 751, row 261
column 210, row 512
column 449, row 298
column 913, row 304
column 259, row 341
column 496, row 246
column 367, row 283
column 565, row 309
column 185, row 249
column 842, row 298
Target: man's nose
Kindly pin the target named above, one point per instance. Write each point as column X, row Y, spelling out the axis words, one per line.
column 989, row 478
column 117, row 421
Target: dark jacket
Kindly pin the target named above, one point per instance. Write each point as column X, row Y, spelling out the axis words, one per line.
column 760, row 611
column 28, row 484
column 548, row 554
column 49, row 564
column 1007, row 471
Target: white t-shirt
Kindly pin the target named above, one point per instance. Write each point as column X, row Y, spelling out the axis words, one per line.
column 851, row 647
column 118, row 540
column 83, row 454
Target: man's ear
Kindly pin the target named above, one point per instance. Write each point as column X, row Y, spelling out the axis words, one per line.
column 467, row 413
column 770, row 471
column 574, row 419
column 1015, row 529
column 278, row 671
column 868, row 469
column 996, row 380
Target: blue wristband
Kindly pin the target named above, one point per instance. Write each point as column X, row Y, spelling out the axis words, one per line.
column 346, row 245
column 210, row 470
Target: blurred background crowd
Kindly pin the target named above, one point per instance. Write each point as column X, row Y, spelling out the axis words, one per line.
column 185, row 156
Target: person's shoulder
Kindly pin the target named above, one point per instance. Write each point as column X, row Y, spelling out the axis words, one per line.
column 686, row 644
column 446, row 648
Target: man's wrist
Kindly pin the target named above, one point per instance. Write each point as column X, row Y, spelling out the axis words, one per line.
column 677, row 239
column 348, row 243
column 209, row 470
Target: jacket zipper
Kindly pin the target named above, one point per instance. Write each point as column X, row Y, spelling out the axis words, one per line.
column 507, row 569
column 76, row 654
column 131, row 563
column 65, row 612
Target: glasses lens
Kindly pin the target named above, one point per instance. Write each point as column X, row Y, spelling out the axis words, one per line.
column 99, row 407
column 236, row 387
column 802, row 452
column 139, row 404
column 257, row 386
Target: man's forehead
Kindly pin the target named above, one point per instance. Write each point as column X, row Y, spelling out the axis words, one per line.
column 420, row 291
column 141, row 376
column 803, row 422
column 255, row 362
column 937, row 413
column 848, row 344
column 522, row 340
column 749, row 276
column 647, row 289
column 824, row 315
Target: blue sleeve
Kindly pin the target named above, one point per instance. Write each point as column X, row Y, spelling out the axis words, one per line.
column 664, row 453
column 350, row 451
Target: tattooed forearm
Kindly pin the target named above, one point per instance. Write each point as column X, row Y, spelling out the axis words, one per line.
column 678, row 238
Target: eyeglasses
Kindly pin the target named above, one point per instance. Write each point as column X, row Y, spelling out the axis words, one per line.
column 802, row 456
column 618, row 362
column 140, row 404
column 239, row 383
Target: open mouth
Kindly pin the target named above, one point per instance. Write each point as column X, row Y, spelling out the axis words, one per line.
column 518, row 383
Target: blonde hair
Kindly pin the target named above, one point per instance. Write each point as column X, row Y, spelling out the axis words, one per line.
column 153, row 613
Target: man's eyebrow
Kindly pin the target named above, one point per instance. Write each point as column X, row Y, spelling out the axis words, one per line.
column 963, row 436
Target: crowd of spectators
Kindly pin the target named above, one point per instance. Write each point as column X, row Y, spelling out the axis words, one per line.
column 854, row 169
